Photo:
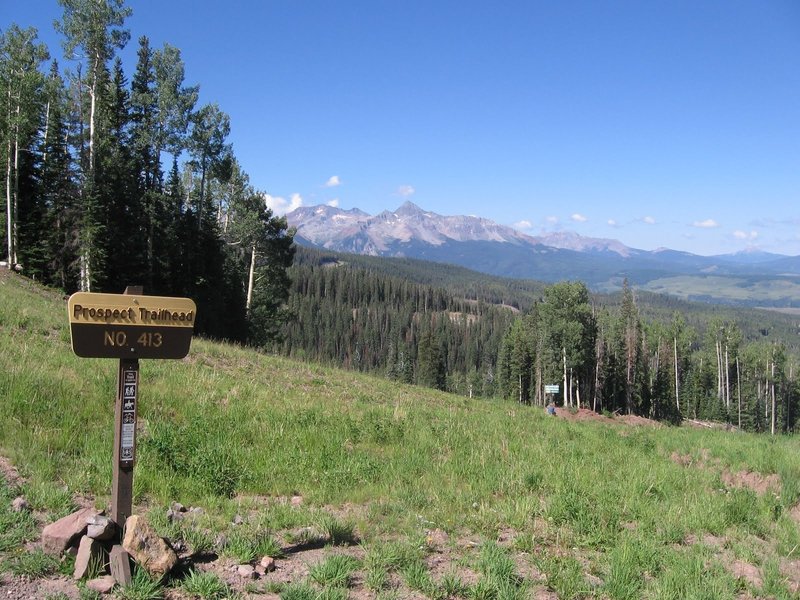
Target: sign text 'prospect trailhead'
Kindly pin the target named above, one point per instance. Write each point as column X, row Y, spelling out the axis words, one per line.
column 130, row 326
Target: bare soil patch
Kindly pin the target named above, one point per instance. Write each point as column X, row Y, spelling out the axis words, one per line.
column 760, row 484
column 9, row 472
column 795, row 513
column 746, row 571
column 751, row 480
column 637, row 421
column 582, row 414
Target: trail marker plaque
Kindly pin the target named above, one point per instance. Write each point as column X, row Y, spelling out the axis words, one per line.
column 128, row 326
column 551, row 389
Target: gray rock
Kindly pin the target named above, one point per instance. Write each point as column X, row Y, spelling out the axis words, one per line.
column 19, row 504
column 147, row 548
column 268, row 563
column 88, row 550
column 101, row 585
column 120, row 563
column 247, row 572
column 238, row 520
column 178, row 507
column 59, row 536
column 100, row 527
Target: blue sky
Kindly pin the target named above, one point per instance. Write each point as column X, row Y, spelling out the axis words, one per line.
column 657, row 123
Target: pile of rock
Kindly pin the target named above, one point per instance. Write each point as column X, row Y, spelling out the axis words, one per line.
column 249, row 571
column 93, row 539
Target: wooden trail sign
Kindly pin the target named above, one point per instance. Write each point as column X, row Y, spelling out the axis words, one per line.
column 128, row 326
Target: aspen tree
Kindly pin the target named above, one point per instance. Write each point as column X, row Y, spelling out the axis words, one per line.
column 21, row 55
column 93, row 31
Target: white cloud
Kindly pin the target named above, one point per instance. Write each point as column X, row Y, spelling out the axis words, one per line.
column 333, row 181
column 612, row 223
column 707, row 224
column 334, row 203
column 579, row 218
column 745, row 235
column 523, row 225
column 552, row 220
column 281, row 206
column 649, row 220
column 405, row 191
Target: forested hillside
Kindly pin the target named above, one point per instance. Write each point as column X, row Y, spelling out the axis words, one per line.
column 414, row 332
column 89, row 205
column 449, row 328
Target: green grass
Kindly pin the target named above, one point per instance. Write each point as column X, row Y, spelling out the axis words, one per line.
column 142, row 587
column 226, row 429
column 246, row 546
column 335, row 571
column 753, row 290
column 205, row 585
column 33, row 565
column 339, row 532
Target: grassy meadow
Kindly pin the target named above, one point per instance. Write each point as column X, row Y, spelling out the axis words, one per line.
column 520, row 504
column 729, row 289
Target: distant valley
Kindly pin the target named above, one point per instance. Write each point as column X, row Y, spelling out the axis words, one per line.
column 746, row 279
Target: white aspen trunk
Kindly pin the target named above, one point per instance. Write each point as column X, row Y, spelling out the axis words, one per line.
column 578, row 391
column 566, row 398
column 788, row 418
column 92, row 107
column 677, row 392
column 766, row 391
column 658, row 364
column 772, row 394
column 519, row 387
column 727, row 381
column 86, row 246
column 739, row 391
column 598, row 355
column 571, row 395
column 718, row 348
column 15, row 208
column 538, row 370
column 85, row 279
column 251, row 279
column 9, row 213
column 46, row 129
column 202, row 197
column 629, row 381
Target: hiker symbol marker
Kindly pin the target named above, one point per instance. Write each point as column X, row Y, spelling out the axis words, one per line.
column 127, row 437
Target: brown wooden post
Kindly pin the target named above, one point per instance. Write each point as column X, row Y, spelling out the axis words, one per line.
column 125, row 435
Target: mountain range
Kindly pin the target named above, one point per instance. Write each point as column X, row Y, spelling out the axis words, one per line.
column 749, row 278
